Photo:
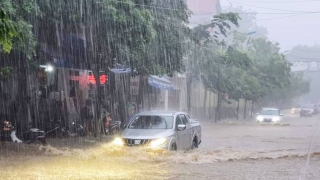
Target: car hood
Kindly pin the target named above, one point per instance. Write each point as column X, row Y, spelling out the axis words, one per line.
column 146, row 133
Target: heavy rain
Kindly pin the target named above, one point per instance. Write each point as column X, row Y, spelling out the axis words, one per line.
column 159, row 89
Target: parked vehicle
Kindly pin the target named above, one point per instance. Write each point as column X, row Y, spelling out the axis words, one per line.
column 162, row 129
column 8, row 133
column 269, row 115
column 58, row 129
column 76, row 129
column 34, row 135
column 111, row 126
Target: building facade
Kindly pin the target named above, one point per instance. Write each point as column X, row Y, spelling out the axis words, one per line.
column 203, row 11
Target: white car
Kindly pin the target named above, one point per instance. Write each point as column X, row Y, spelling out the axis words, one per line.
column 162, row 130
column 269, row 115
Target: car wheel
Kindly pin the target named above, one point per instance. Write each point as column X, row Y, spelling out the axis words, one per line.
column 173, row 147
column 194, row 145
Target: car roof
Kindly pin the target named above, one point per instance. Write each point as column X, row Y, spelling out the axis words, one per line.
column 161, row 113
column 270, row 109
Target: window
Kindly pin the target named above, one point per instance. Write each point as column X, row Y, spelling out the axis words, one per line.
column 178, row 121
column 184, row 119
column 152, row 122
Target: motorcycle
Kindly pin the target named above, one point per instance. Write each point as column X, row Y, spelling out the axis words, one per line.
column 112, row 127
column 76, row 129
column 34, row 135
column 9, row 129
column 59, row 130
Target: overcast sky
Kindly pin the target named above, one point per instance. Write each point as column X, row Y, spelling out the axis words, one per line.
column 301, row 28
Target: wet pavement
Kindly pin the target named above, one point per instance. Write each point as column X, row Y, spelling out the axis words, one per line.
column 229, row 150
column 245, row 150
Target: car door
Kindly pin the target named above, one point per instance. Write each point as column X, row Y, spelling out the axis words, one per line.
column 180, row 134
column 188, row 131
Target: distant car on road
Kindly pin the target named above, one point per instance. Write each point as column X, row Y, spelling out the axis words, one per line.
column 269, row 115
column 307, row 110
column 296, row 110
column 162, row 130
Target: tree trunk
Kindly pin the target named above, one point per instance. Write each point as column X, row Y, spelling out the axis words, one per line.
column 97, row 117
column 209, row 112
column 245, row 109
column 205, row 104
column 251, row 114
column 217, row 114
column 238, row 109
column 141, row 93
column 189, row 83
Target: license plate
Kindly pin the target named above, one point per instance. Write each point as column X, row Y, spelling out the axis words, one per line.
column 137, row 141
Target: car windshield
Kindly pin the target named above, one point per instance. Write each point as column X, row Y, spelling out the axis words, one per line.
column 269, row 112
column 152, row 122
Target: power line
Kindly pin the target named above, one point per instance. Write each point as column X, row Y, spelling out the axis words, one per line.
column 274, row 8
column 274, row 18
column 273, row 2
column 272, row 13
column 158, row 7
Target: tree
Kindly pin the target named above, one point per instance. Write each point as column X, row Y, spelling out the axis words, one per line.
column 17, row 48
column 221, row 74
column 204, row 37
column 148, row 36
column 310, row 55
column 247, row 23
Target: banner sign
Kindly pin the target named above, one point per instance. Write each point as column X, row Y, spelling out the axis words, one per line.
column 160, row 82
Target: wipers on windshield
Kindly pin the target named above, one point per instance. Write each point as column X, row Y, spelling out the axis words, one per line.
column 165, row 123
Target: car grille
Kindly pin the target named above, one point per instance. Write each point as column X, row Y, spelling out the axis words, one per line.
column 136, row 142
column 267, row 120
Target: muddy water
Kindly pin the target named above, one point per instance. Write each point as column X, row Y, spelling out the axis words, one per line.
column 229, row 150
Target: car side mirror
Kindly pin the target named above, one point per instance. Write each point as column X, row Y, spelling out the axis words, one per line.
column 181, row 127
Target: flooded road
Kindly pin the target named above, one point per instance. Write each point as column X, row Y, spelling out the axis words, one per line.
column 229, row 150
column 246, row 150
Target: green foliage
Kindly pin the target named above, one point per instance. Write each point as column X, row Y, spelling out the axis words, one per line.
column 249, row 68
column 219, row 26
column 5, row 72
column 15, row 28
column 134, row 32
column 7, row 31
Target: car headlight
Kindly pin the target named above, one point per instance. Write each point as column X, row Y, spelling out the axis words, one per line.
column 158, row 142
column 260, row 118
column 118, row 141
column 276, row 119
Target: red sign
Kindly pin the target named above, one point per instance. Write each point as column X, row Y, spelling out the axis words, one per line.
column 103, row 79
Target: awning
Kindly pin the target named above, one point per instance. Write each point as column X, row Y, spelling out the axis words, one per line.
column 121, row 69
column 160, row 82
